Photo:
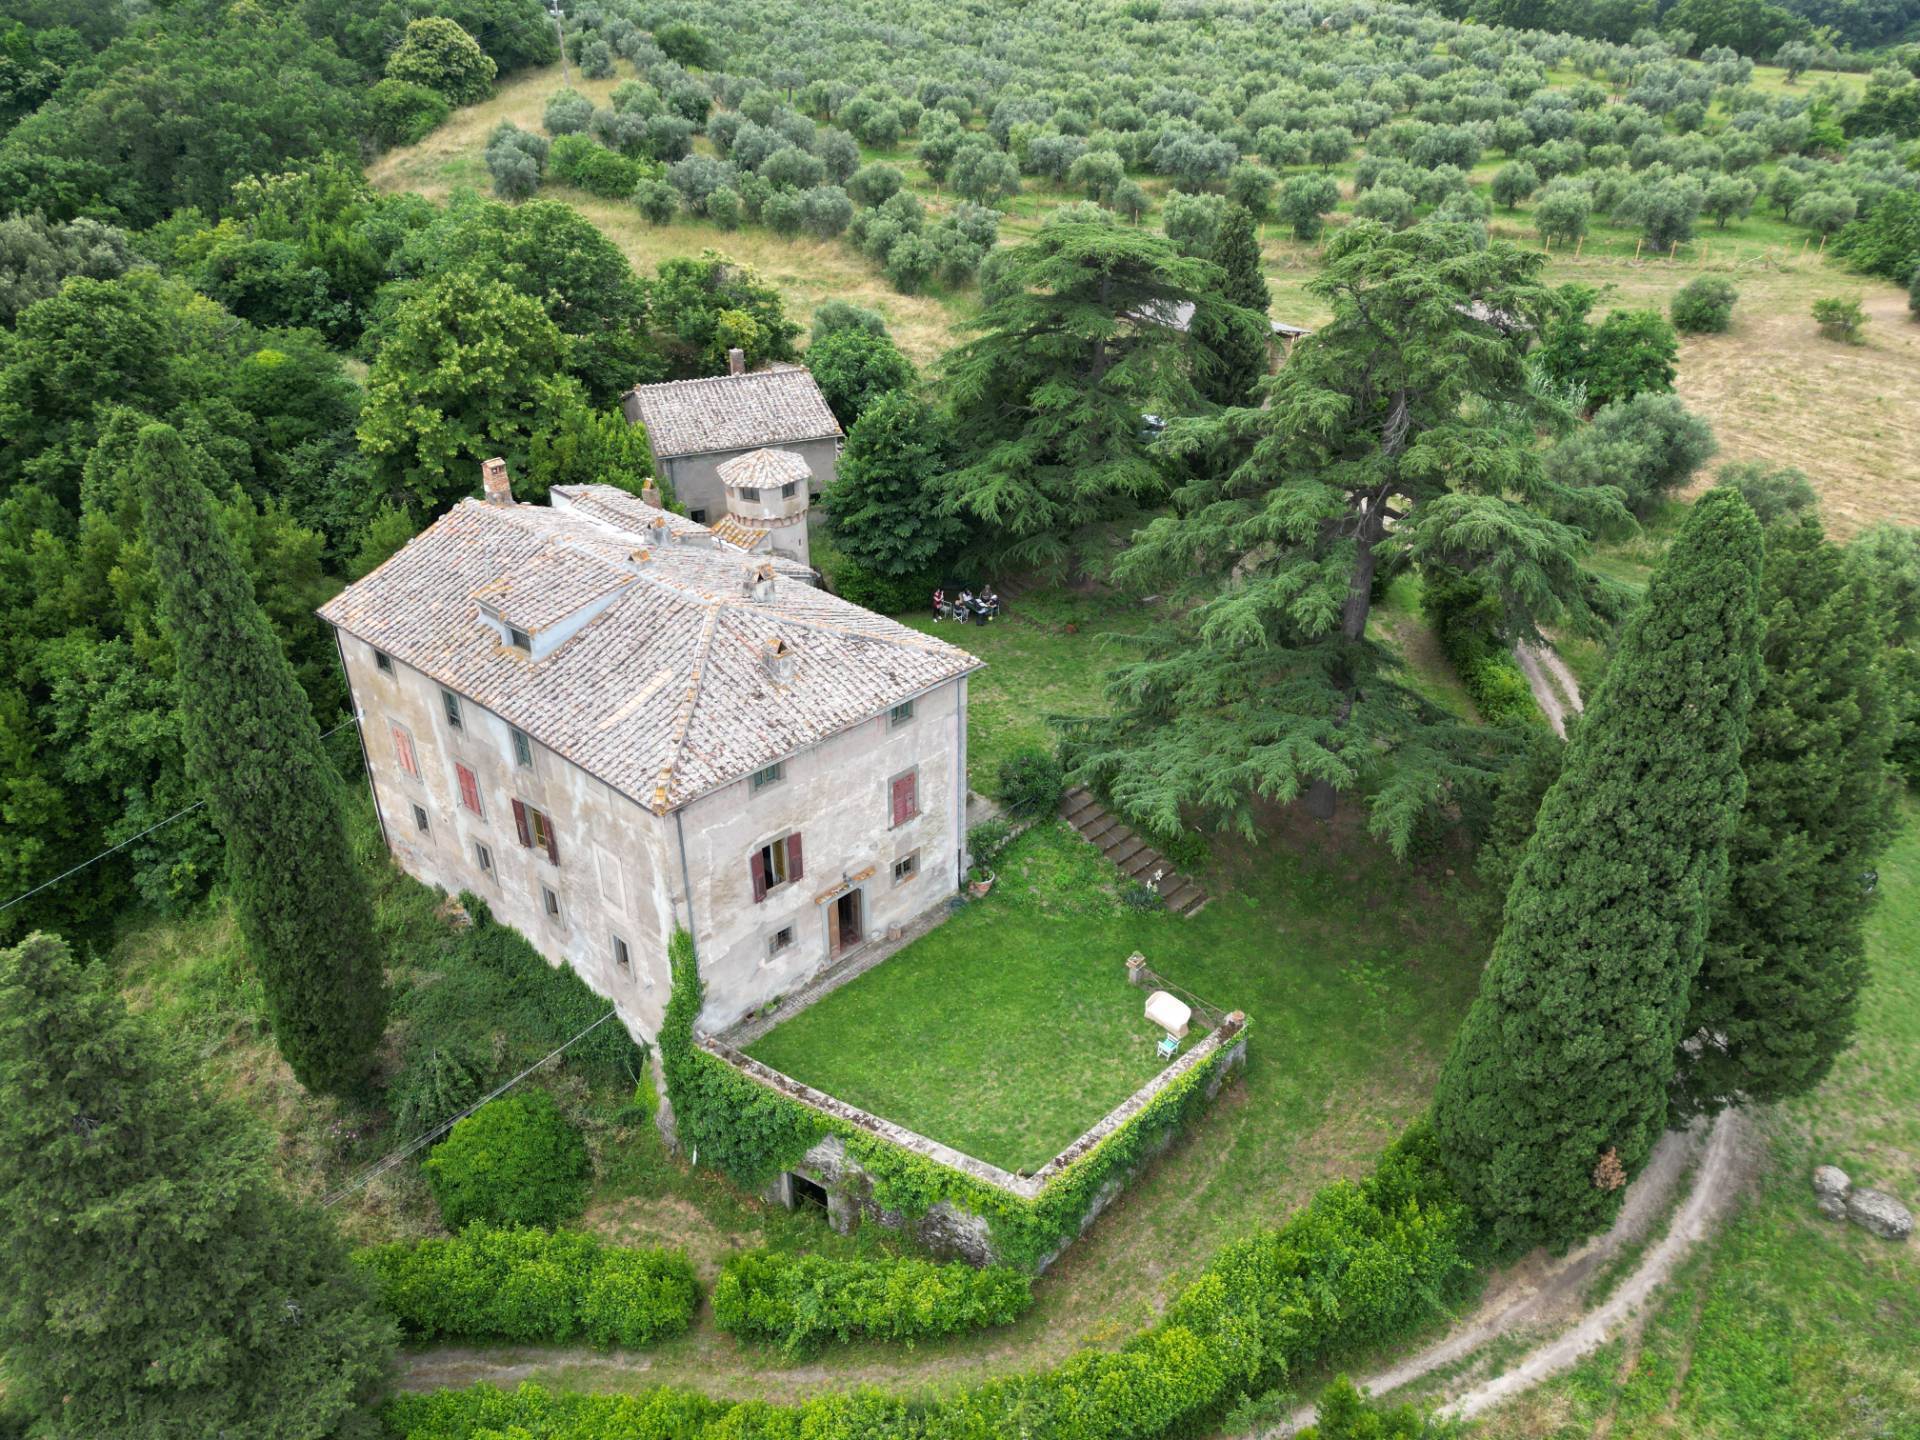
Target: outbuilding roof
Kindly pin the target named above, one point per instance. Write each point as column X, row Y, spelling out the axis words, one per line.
column 762, row 470
column 664, row 692
column 780, row 405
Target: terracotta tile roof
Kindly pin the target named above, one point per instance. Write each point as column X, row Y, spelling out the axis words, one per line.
column 664, row 693
column 763, row 470
column 626, row 511
column 735, row 531
column 549, row 585
column 777, row 406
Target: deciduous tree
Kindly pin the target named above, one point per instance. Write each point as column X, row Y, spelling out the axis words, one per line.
column 884, row 499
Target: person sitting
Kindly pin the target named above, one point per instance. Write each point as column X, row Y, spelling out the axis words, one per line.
column 965, row 606
column 989, row 604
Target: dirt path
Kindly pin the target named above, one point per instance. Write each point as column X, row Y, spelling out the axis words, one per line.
column 1552, row 1293
column 1554, row 688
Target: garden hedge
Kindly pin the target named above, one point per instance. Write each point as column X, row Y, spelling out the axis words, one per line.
column 750, row 1132
column 1364, row 1265
column 531, row 1285
column 1465, row 620
column 798, row 1302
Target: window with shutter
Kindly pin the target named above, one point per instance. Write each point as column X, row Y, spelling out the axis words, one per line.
column 403, row 751
column 469, row 789
column 775, row 863
column 520, row 825
column 906, row 797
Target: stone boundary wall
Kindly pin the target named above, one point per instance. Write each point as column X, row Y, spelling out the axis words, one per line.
column 947, row 1227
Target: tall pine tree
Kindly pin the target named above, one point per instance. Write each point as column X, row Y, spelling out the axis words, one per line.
column 255, row 751
column 1047, row 401
column 1786, row 954
column 1557, row 1085
column 1233, row 338
column 153, row 1282
column 1402, row 429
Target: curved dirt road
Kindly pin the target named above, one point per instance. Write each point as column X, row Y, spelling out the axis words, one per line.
column 1724, row 1153
column 1555, row 690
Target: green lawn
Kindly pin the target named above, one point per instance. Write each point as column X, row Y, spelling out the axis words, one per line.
column 1004, row 1033
column 1048, row 654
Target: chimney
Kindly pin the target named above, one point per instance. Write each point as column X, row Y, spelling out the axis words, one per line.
column 736, row 361
column 494, row 482
column 779, row 658
column 759, row 583
column 650, row 495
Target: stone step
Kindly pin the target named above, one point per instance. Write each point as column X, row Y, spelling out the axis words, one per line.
column 1077, row 812
column 1185, row 897
column 1104, row 831
column 1144, row 862
column 1126, row 847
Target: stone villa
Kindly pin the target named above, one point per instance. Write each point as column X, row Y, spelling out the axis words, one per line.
column 745, row 452
column 608, row 721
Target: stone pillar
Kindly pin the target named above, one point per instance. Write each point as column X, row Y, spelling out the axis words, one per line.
column 1137, row 970
column 843, row 1211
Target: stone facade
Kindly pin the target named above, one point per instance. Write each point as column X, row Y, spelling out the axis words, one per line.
column 608, row 723
column 627, row 873
column 702, row 493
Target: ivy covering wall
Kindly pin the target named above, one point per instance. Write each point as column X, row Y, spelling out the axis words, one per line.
column 1363, row 1266
column 752, row 1133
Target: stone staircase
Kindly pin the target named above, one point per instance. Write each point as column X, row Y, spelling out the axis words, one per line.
column 1136, row 859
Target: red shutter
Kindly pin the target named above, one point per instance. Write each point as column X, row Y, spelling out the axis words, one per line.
column 553, row 841
column 757, row 868
column 905, row 805
column 520, row 824
column 794, row 868
column 469, row 788
column 403, row 747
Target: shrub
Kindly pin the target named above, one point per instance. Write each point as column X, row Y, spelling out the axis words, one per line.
column 657, row 200
column 883, row 594
column 493, row 1006
column 527, row 1285
column 1030, row 783
column 800, row 1302
column 1465, row 619
column 1773, row 492
column 1362, row 1266
column 515, row 1161
column 988, row 841
column 403, row 113
column 833, row 316
column 567, row 113
column 1841, row 320
column 1704, row 306
column 585, row 163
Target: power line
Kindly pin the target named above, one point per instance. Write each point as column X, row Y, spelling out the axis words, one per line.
column 177, row 815
column 394, row 1157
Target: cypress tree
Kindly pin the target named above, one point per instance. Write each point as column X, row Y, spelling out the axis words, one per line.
column 1786, row 953
column 1557, row 1085
column 1233, row 341
column 153, row 1282
column 254, row 749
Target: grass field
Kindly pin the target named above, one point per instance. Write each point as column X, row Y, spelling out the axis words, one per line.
column 1788, row 1325
column 1006, row 1032
column 1047, row 655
